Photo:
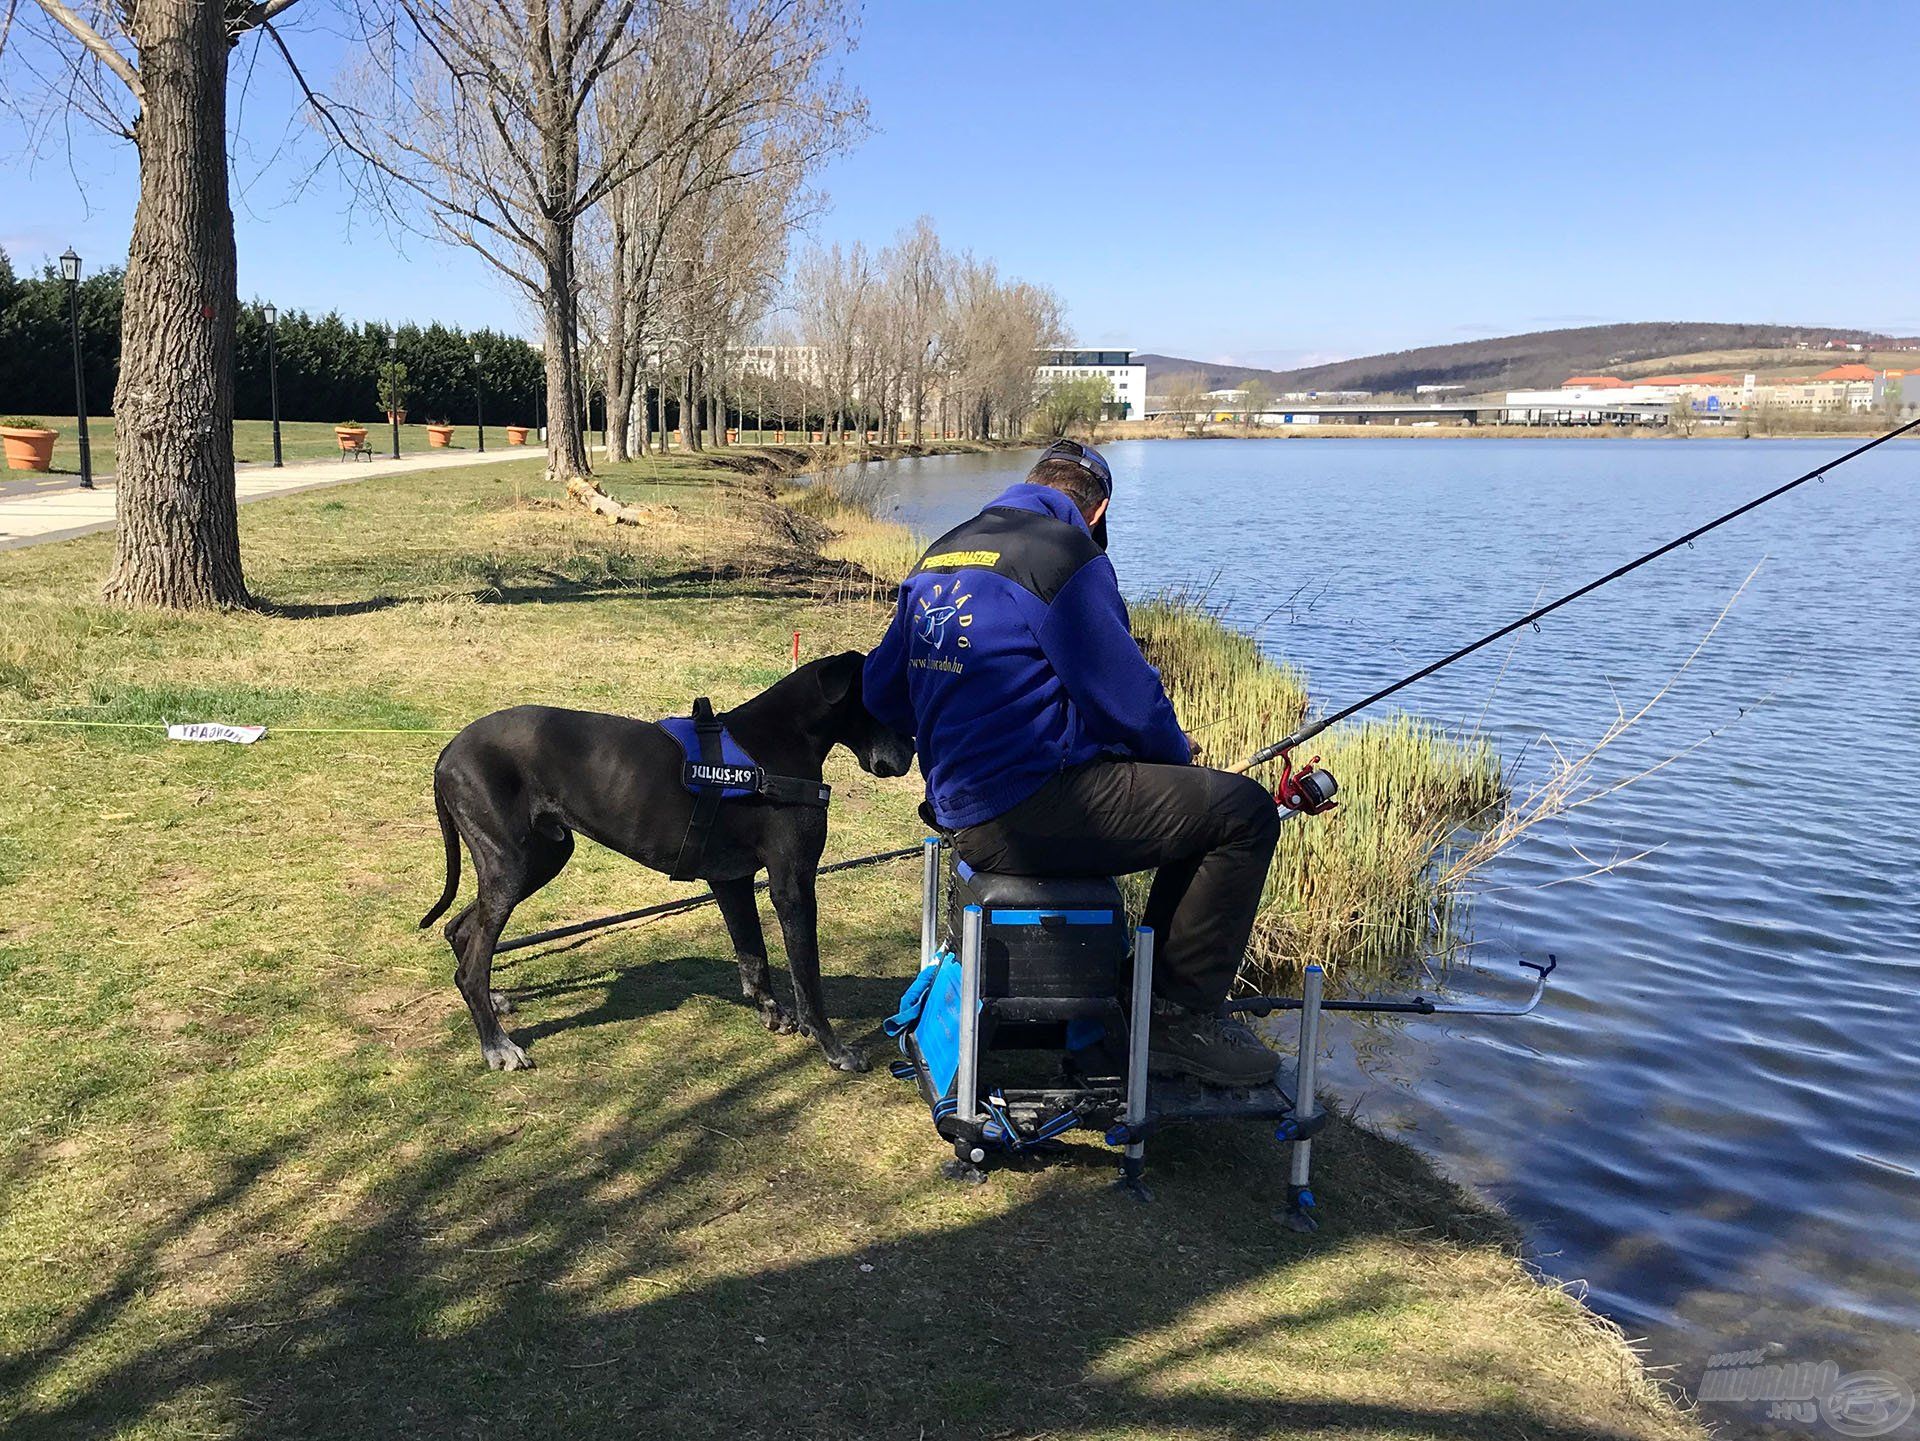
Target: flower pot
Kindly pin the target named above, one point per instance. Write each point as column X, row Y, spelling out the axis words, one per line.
column 396, row 417
column 439, row 436
column 350, row 437
column 819, row 436
column 28, row 449
column 780, row 437
column 517, row 434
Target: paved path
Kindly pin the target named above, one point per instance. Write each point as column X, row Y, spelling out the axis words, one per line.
column 55, row 507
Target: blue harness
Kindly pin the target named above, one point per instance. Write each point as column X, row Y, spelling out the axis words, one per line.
column 715, row 768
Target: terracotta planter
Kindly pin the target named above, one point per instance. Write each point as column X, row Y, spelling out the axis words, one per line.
column 396, row 417
column 28, row 449
column 439, row 436
column 517, row 434
column 780, row 437
column 819, row 436
column 351, row 437
column 733, row 437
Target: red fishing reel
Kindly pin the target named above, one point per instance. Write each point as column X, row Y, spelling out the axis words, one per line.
column 1306, row 790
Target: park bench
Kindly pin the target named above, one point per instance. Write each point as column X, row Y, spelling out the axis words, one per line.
column 355, row 447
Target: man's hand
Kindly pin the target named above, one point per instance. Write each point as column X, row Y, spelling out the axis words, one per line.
column 1193, row 749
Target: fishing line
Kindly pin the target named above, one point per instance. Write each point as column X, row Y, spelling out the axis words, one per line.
column 1532, row 617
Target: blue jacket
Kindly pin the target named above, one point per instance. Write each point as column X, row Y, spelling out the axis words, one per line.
column 1010, row 658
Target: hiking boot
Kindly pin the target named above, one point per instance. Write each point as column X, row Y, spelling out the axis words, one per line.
column 1209, row 1048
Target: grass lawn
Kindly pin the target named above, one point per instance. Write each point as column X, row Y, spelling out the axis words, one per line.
column 252, row 441
column 259, row 1184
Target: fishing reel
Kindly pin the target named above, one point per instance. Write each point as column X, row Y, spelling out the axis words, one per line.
column 1306, row 790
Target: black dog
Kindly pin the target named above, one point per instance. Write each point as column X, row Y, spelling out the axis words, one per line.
column 516, row 785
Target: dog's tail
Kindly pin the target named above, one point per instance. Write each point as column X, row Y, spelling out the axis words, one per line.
column 451, row 839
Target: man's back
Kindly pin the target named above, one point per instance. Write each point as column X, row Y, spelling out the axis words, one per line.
column 1049, row 746
column 1009, row 660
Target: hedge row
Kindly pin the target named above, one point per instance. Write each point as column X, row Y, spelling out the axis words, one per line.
column 330, row 368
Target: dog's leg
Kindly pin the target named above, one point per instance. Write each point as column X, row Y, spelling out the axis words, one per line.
column 547, row 855
column 793, row 901
column 475, row 975
column 742, row 915
column 502, row 866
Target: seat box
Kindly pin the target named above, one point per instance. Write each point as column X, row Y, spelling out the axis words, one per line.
column 1063, row 937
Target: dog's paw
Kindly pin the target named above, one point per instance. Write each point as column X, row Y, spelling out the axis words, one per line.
column 849, row 1058
column 504, row 1055
column 777, row 1018
column 502, row 1003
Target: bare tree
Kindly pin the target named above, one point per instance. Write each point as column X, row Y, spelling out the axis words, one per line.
column 156, row 74
column 997, row 329
column 1186, row 394
column 915, row 267
column 834, row 300
column 500, row 124
column 1256, row 397
column 695, row 242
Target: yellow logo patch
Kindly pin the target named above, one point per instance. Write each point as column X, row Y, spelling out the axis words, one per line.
column 961, row 557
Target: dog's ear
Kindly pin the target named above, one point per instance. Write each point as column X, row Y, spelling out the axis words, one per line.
column 840, row 676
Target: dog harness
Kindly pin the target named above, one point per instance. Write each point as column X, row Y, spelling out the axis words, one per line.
column 716, row 768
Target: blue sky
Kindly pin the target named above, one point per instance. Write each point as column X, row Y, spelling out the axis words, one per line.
column 1264, row 183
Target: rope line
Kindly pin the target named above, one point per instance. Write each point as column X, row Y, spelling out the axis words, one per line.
column 271, row 729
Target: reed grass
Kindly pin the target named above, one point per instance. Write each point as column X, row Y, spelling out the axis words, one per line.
column 1368, row 883
column 843, row 502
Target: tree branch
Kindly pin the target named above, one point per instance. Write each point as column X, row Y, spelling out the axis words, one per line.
column 97, row 46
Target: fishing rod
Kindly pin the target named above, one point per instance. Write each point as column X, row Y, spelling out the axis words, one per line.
column 1307, row 789
column 1301, row 785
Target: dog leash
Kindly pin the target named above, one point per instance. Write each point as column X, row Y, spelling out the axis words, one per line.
column 688, row 903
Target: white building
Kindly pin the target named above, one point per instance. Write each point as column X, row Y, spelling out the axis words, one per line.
column 800, row 362
column 1126, row 381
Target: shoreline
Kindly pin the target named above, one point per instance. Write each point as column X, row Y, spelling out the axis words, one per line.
column 1109, row 431
column 262, row 1184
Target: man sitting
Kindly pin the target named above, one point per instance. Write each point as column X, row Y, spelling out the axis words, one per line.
column 1049, row 746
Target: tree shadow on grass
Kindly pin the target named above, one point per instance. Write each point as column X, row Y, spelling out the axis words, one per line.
column 630, row 992
column 794, row 581
column 724, row 1241
column 324, row 610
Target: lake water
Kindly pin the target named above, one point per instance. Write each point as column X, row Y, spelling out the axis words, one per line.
column 1714, row 1118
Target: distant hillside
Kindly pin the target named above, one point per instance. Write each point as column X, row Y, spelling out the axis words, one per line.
column 1542, row 358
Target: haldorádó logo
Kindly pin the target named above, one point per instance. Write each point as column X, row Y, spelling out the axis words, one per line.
column 930, row 622
column 1861, row 1403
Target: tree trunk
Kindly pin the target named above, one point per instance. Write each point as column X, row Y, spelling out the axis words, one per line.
column 566, row 444
column 179, row 536
column 619, row 380
column 689, row 422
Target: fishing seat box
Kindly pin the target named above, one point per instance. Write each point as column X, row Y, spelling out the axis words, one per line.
column 1060, row 941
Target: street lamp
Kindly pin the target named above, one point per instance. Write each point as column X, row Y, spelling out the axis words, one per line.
column 70, row 272
column 272, row 316
column 479, row 415
column 393, row 390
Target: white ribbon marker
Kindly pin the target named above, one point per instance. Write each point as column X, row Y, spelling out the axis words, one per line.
column 216, row 731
